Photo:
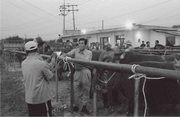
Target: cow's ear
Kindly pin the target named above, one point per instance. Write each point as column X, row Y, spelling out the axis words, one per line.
column 122, row 55
column 175, row 61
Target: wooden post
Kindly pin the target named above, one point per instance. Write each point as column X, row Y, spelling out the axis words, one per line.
column 136, row 98
column 72, row 90
column 57, row 98
column 5, row 60
column 14, row 61
column 95, row 93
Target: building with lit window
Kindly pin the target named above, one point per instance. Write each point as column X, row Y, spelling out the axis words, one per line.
column 137, row 34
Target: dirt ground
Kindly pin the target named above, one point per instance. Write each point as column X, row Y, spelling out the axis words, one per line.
column 13, row 97
column 13, row 102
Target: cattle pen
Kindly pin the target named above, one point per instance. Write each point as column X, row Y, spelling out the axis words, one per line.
column 111, row 66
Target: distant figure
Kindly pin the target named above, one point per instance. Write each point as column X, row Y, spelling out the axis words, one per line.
column 128, row 45
column 147, row 45
column 47, row 50
column 107, row 46
column 97, row 47
column 158, row 46
column 142, row 45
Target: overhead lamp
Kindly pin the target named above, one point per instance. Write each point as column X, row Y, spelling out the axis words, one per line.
column 84, row 31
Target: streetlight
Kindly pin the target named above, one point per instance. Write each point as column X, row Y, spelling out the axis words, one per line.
column 129, row 25
column 84, row 31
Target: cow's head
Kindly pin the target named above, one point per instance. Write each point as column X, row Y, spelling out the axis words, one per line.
column 107, row 79
column 126, row 57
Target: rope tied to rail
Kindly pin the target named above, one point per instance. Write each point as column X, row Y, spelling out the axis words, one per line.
column 106, row 81
column 139, row 76
column 67, row 65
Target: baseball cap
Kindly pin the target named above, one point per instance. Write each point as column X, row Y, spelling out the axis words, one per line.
column 30, row 45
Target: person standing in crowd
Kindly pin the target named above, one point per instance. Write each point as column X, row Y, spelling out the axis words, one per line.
column 47, row 49
column 158, row 46
column 36, row 74
column 40, row 50
column 148, row 44
column 107, row 46
column 40, row 43
column 142, row 45
column 128, row 45
column 82, row 76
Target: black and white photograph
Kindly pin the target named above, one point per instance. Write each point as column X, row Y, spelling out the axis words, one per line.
column 71, row 58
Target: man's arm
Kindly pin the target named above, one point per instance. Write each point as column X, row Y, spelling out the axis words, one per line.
column 46, row 72
column 71, row 53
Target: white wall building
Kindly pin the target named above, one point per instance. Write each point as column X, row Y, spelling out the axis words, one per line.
column 136, row 35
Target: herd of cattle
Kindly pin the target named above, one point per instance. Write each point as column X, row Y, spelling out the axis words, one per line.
column 157, row 91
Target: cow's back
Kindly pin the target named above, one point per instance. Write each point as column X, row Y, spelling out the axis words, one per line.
column 172, row 57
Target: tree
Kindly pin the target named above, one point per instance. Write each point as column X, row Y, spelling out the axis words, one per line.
column 176, row 26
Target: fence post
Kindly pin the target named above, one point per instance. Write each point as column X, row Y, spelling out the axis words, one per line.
column 95, row 93
column 72, row 90
column 56, row 81
column 14, row 60
column 136, row 97
column 5, row 59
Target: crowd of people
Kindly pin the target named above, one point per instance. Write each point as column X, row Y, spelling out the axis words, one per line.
column 37, row 72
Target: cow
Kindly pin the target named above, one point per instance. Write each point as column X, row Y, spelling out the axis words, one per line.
column 157, row 91
column 95, row 57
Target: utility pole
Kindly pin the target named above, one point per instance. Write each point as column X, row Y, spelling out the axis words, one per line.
column 74, row 27
column 102, row 24
column 64, row 11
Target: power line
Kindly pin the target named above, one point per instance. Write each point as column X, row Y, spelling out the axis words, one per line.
column 130, row 12
column 29, row 11
column 39, row 9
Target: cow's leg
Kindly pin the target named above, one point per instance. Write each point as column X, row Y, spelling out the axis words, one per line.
column 153, row 108
column 115, row 96
column 175, row 108
column 130, row 108
column 105, row 100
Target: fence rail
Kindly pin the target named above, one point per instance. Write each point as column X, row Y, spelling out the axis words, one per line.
column 127, row 68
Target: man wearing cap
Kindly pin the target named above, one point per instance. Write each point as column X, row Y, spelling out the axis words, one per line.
column 36, row 75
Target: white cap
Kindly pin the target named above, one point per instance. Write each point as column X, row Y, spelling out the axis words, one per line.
column 30, row 45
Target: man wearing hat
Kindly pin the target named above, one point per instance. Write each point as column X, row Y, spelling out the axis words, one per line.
column 128, row 45
column 36, row 75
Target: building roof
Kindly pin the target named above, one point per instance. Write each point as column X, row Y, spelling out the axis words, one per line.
column 135, row 27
